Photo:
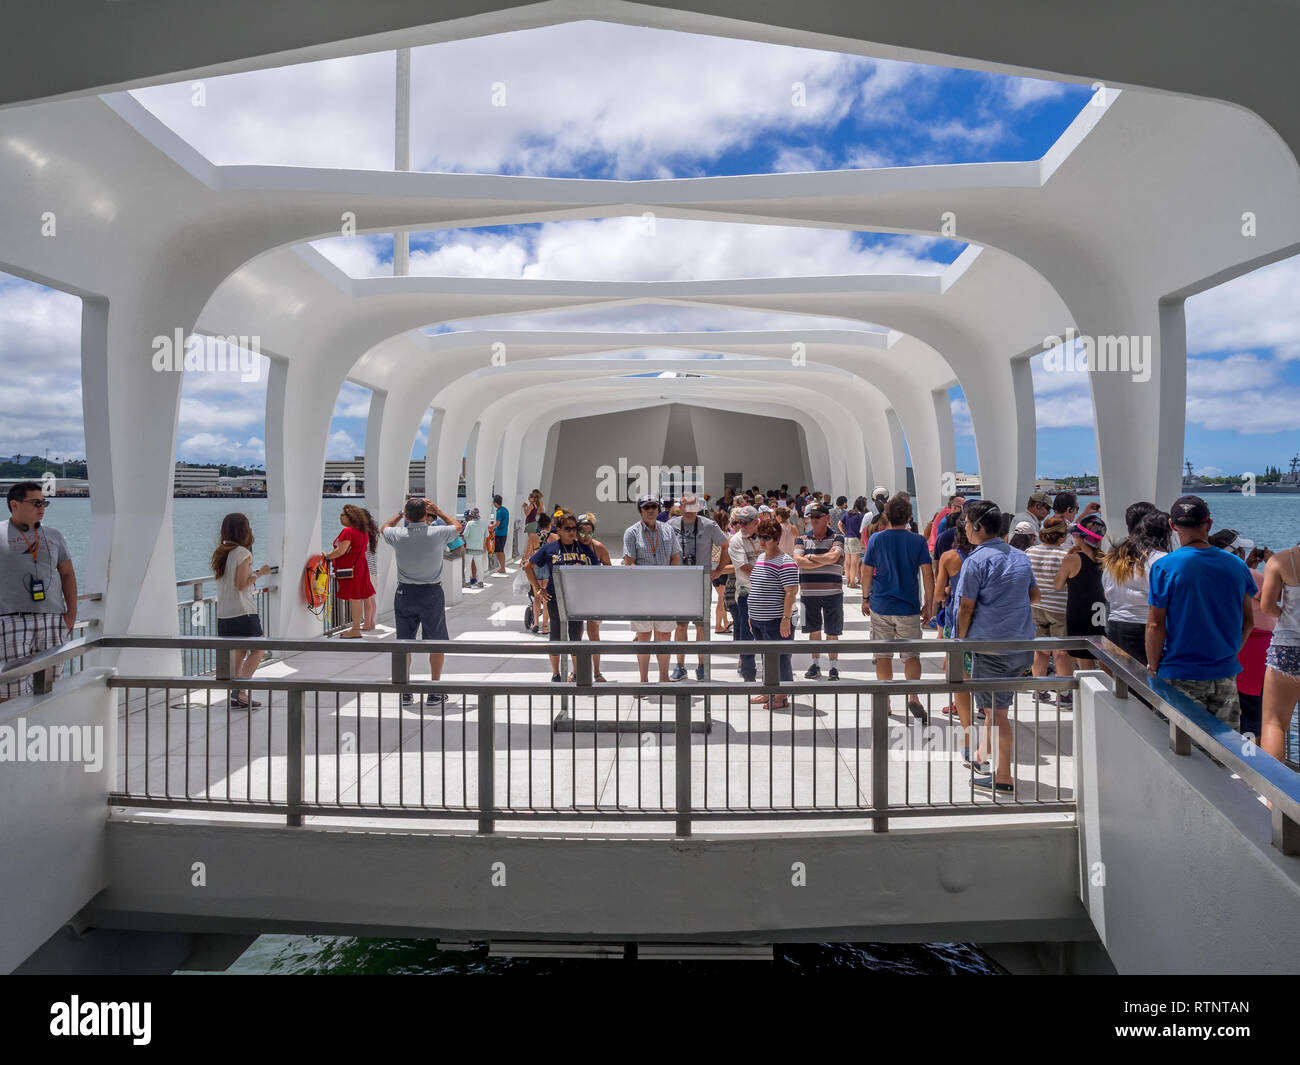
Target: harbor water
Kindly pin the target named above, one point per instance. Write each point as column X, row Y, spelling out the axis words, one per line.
column 1273, row 520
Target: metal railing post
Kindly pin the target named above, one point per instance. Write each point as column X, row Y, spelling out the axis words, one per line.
column 584, row 672
column 1179, row 741
column 486, row 763
column 682, row 757
column 1286, row 833
column 880, row 760
column 401, row 668
column 294, row 758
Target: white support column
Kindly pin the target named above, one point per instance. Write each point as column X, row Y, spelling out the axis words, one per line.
column 897, row 464
column 1141, row 423
column 947, row 446
column 300, row 401
column 130, row 419
column 390, row 438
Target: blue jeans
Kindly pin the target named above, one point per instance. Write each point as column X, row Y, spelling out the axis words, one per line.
column 740, row 630
column 771, row 630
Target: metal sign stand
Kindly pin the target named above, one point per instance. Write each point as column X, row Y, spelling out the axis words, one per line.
column 632, row 593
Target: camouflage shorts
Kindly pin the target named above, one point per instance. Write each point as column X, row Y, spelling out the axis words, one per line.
column 1219, row 697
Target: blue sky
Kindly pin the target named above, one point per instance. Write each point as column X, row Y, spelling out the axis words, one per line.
column 599, row 100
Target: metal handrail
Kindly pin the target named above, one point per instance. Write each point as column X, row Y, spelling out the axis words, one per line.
column 210, row 577
column 1188, row 721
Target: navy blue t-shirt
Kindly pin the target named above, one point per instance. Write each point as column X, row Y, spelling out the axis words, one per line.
column 944, row 541
column 1202, row 591
column 896, row 555
column 556, row 554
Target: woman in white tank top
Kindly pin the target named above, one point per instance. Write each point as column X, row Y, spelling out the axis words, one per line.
column 1280, row 597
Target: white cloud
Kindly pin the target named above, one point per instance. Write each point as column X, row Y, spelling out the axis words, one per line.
column 341, row 446
column 353, row 401
column 1257, row 310
column 641, row 249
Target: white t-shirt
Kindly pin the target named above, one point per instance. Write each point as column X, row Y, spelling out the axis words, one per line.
column 233, row 602
column 1129, row 601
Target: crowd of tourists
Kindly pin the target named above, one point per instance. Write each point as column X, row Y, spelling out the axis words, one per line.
column 1210, row 613
column 1207, row 611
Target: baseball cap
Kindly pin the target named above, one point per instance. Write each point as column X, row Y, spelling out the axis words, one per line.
column 765, row 509
column 817, row 510
column 748, row 514
column 1241, row 543
column 1091, row 529
column 1189, row 510
column 647, row 498
column 879, row 490
column 1041, row 497
column 1024, row 528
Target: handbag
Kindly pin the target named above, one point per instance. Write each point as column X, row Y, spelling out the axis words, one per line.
column 343, row 574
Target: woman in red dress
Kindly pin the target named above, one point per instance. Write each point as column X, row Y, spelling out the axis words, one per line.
column 351, row 570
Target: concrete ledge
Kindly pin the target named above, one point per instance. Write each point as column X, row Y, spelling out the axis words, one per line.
column 1008, row 884
column 1180, row 875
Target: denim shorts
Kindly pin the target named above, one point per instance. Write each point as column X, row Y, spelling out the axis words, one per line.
column 990, row 667
column 1284, row 659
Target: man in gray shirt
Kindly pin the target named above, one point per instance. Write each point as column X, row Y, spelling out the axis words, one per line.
column 696, row 537
column 38, row 587
column 651, row 543
column 419, row 607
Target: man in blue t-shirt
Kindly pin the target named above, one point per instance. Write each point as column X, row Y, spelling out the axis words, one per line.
column 500, row 527
column 894, row 560
column 1200, row 614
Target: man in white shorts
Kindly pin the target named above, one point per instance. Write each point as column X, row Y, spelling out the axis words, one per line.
column 651, row 542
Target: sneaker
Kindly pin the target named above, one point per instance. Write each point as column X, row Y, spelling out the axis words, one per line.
column 987, row 783
column 699, row 672
column 981, row 715
column 1065, row 700
column 949, row 711
column 555, row 678
column 408, row 699
column 678, row 673
column 834, row 674
column 916, row 709
column 813, row 671
column 1045, row 697
column 434, row 699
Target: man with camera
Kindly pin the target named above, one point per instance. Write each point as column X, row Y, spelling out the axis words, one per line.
column 419, row 607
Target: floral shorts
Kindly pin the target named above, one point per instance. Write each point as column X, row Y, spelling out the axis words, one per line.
column 1285, row 659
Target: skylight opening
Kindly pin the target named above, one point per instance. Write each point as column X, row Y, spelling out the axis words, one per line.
column 599, row 100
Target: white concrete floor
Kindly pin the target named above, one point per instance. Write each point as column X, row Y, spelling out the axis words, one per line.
column 368, row 749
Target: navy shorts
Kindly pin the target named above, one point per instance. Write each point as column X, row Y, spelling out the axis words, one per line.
column 499, row 544
column 244, row 625
column 419, row 610
column 823, row 613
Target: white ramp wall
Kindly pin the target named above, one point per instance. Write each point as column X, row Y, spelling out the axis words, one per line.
column 1177, row 870
column 53, row 813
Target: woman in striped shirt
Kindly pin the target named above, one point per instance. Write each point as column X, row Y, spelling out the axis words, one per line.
column 773, row 585
column 1046, row 558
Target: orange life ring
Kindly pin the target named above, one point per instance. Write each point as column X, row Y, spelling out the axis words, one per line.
column 316, row 583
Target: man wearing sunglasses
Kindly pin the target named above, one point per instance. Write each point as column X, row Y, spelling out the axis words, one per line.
column 650, row 542
column 38, row 587
column 568, row 550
